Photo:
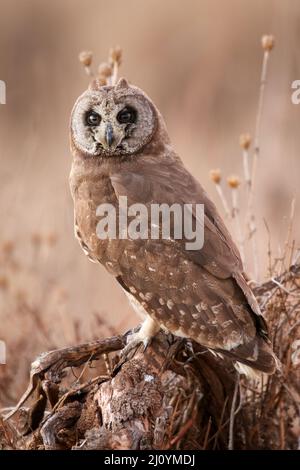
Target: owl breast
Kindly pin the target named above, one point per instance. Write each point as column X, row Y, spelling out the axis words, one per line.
column 92, row 193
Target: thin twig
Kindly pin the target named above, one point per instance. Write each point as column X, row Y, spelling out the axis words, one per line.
column 246, row 169
column 114, row 76
column 250, row 212
column 270, row 271
column 221, row 421
column 223, row 200
column 207, row 434
column 71, row 392
column 236, row 217
column 228, row 420
column 288, row 236
column 285, row 289
column 84, row 368
column 182, row 431
column 232, row 414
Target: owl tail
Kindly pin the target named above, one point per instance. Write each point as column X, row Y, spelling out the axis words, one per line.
column 254, row 357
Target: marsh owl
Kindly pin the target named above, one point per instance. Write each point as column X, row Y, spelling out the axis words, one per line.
column 121, row 147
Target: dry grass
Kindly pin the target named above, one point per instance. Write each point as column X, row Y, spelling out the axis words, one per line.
column 37, row 314
column 269, row 418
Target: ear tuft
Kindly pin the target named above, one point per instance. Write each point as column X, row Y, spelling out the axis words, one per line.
column 122, row 83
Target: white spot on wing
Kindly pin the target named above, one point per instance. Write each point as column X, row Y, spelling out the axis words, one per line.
column 148, row 296
column 217, row 308
column 233, row 342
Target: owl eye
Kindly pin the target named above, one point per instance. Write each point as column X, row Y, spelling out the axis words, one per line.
column 92, row 118
column 127, row 115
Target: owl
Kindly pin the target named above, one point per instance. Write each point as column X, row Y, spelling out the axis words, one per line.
column 121, row 148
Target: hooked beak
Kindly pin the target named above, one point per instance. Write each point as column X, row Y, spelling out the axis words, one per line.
column 109, row 135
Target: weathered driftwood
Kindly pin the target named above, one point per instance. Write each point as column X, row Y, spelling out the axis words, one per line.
column 174, row 395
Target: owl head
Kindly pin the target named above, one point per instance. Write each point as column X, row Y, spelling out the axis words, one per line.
column 112, row 120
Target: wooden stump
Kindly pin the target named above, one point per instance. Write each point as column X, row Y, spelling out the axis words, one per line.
column 174, row 395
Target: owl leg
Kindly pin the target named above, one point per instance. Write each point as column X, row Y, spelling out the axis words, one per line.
column 145, row 334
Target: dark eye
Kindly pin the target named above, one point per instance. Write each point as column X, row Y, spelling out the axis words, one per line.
column 126, row 115
column 92, row 118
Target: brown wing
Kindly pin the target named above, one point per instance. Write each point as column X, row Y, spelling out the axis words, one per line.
column 198, row 294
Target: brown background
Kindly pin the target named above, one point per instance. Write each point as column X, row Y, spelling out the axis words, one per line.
column 200, row 61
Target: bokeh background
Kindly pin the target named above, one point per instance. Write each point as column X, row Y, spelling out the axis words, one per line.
column 200, row 61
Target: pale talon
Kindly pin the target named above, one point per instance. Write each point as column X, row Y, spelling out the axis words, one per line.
column 144, row 336
column 134, row 341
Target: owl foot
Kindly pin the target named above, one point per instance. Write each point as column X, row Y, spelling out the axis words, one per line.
column 144, row 336
column 133, row 342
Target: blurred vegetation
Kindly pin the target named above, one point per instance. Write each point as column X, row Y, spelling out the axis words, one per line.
column 201, row 65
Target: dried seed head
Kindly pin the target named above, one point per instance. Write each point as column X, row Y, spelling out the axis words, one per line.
column 85, row 58
column 233, row 181
column 215, row 175
column 267, row 42
column 104, row 70
column 115, row 55
column 245, row 141
column 101, row 81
